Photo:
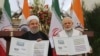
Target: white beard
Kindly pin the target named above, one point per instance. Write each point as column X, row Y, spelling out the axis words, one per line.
column 68, row 29
column 34, row 30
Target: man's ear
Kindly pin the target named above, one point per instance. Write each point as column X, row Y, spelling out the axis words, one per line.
column 72, row 23
column 39, row 24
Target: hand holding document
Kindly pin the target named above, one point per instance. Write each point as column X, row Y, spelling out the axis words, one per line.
column 71, row 45
column 21, row 47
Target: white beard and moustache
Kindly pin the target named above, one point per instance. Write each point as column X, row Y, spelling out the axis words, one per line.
column 68, row 29
column 34, row 30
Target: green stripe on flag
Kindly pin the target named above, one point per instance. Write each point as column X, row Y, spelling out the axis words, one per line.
column 55, row 6
column 7, row 8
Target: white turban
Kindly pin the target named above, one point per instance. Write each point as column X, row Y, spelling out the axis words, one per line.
column 31, row 18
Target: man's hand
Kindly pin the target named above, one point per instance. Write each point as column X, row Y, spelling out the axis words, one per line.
column 91, row 51
column 39, row 39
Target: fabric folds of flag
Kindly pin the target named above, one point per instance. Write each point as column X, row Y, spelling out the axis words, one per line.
column 7, row 8
column 25, row 10
column 55, row 25
column 2, row 47
column 77, row 14
column 24, row 16
column 5, row 24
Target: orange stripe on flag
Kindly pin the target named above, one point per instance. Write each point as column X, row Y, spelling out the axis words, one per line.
column 26, row 11
column 76, row 6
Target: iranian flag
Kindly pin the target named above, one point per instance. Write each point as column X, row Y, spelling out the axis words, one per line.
column 5, row 24
column 2, row 47
column 77, row 14
column 55, row 25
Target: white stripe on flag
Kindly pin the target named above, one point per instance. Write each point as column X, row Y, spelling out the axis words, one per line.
column 75, row 19
column 5, row 22
column 55, row 27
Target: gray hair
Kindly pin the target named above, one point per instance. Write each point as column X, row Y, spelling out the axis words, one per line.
column 69, row 18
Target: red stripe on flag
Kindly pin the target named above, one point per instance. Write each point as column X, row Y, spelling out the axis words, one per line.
column 2, row 52
column 54, row 52
column 2, row 49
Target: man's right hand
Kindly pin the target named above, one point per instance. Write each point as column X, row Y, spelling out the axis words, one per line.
column 39, row 39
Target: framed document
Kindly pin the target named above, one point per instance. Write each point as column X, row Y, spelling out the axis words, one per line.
column 21, row 47
column 71, row 45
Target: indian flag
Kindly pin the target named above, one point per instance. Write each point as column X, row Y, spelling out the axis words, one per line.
column 24, row 16
column 25, row 10
column 77, row 14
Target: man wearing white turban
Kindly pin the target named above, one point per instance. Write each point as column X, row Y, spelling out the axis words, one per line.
column 34, row 33
column 33, row 24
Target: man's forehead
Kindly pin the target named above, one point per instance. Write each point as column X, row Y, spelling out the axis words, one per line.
column 67, row 20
